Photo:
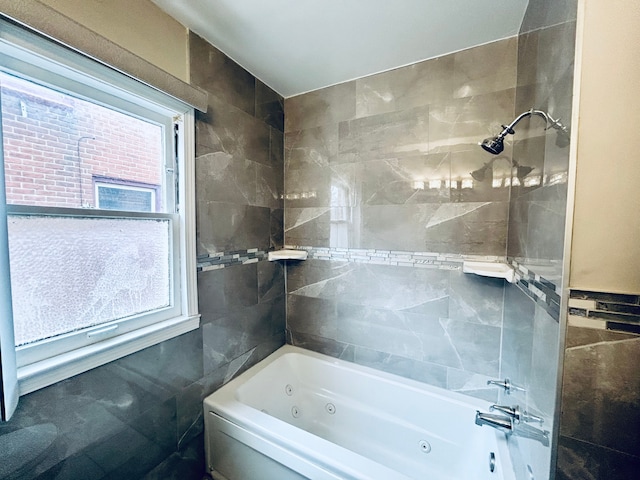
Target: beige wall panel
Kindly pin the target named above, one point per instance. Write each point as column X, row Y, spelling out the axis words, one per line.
column 136, row 25
column 606, row 235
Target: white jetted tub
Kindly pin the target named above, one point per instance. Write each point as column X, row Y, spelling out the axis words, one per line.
column 298, row 414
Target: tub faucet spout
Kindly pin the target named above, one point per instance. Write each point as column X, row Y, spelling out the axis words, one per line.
column 496, row 421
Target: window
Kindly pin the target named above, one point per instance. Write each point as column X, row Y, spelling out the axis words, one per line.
column 99, row 222
column 120, row 194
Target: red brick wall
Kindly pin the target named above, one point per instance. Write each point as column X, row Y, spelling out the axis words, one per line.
column 55, row 144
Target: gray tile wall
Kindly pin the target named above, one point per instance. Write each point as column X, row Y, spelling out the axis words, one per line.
column 356, row 155
column 545, row 81
column 600, row 423
column 530, row 361
column 537, row 214
column 141, row 416
column 384, row 163
column 434, row 325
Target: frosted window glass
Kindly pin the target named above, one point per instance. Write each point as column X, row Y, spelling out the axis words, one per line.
column 68, row 273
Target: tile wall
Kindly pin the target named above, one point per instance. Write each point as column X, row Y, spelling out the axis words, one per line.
column 536, row 227
column 378, row 172
column 141, row 416
column 600, row 422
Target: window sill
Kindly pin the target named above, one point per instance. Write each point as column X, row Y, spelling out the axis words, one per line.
column 52, row 370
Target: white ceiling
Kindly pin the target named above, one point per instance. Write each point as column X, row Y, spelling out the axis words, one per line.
column 296, row 46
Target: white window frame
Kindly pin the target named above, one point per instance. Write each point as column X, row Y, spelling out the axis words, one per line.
column 34, row 57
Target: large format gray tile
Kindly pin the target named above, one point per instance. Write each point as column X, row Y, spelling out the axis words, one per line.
column 141, row 446
column 470, row 228
column 527, row 58
column 517, row 335
column 239, row 331
column 476, row 299
column 465, row 346
column 326, row 106
column 544, row 363
column 322, row 186
column 312, row 316
column 462, row 123
column 578, row 460
column 221, row 177
column 497, row 176
column 486, row 68
column 472, row 384
column 213, row 71
column 536, row 223
column 601, row 394
column 276, row 228
column 76, row 466
column 407, row 180
column 224, row 227
column 395, row 227
column 221, row 291
column 187, row 464
column 225, row 128
column 269, row 106
column 392, row 331
column 388, row 135
column 543, row 13
column 312, row 271
column 170, row 365
column 309, row 227
column 406, row 87
column 269, row 186
column 271, row 281
column 316, row 146
column 412, row 290
column 326, row 346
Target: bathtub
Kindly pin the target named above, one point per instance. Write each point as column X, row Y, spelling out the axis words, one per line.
column 299, row 414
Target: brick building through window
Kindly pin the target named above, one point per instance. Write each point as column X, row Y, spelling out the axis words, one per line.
column 59, row 150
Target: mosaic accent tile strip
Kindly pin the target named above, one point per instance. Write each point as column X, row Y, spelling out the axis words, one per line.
column 442, row 261
column 605, row 311
column 545, row 292
column 541, row 290
column 215, row 261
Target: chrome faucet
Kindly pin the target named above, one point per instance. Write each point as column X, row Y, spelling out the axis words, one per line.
column 513, row 412
column 495, row 421
column 506, row 384
column 517, row 415
column 510, row 422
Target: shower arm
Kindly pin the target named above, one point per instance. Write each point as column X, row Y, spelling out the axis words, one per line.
column 508, row 129
column 550, row 121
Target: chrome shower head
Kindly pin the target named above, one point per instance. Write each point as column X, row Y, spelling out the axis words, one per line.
column 493, row 145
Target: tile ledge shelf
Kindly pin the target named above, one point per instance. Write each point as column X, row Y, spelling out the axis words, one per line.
column 287, row 254
column 490, row 269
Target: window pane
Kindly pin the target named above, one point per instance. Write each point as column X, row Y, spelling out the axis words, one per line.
column 56, row 147
column 68, row 273
column 122, row 197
